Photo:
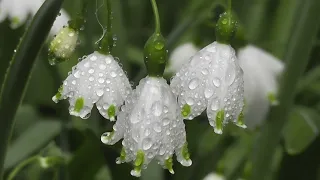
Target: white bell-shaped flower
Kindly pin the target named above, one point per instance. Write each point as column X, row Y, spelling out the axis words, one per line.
column 151, row 127
column 261, row 71
column 99, row 79
column 17, row 11
column 212, row 80
column 179, row 56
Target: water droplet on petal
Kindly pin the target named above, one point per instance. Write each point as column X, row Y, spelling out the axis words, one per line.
column 76, row 74
column 113, row 74
column 101, row 80
column 93, row 58
column 230, row 75
column 102, row 66
column 74, row 82
column 215, row 105
column 91, row 71
column 146, row 143
column 108, row 60
column 91, row 78
column 157, row 108
column 99, row 92
column 216, row 82
column 190, row 101
column 165, row 121
column 208, row 93
column 157, row 127
column 194, row 83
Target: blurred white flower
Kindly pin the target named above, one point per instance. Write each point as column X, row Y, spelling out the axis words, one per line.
column 18, row 11
column 214, row 176
column 151, row 127
column 261, row 70
column 99, row 79
column 179, row 56
column 212, row 80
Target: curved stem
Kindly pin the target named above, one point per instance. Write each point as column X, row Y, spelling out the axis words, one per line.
column 21, row 166
column 156, row 15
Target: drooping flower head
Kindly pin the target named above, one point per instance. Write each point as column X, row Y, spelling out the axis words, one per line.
column 150, row 126
column 18, row 11
column 261, row 71
column 150, row 122
column 96, row 79
column 212, row 80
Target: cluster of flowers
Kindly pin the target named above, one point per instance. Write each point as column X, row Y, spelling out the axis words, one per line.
column 150, row 117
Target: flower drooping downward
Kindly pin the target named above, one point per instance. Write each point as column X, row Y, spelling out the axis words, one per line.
column 150, row 122
column 212, row 80
column 150, row 126
column 99, row 79
column 261, row 71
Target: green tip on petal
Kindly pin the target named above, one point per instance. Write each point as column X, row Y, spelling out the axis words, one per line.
column 111, row 112
column 58, row 96
column 15, row 21
column 186, row 110
column 138, row 164
column 219, row 122
column 122, row 157
column 123, row 154
column 240, row 120
column 169, row 164
column 78, row 105
column 185, row 152
column 226, row 28
column 273, row 99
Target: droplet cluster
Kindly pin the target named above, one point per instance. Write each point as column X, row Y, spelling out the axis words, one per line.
column 99, row 79
column 212, row 80
column 150, row 123
column 63, row 45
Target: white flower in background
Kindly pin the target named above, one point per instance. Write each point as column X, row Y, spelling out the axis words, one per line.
column 214, row 176
column 151, row 127
column 179, row 56
column 261, row 70
column 211, row 80
column 18, row 11
column 99, row 79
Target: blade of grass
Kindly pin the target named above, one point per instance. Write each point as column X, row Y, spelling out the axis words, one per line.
column 297, row 56
column 20, row 68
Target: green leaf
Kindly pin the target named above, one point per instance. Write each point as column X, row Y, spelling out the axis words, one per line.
column 301, row 130
column 33, row 139
column 20, row 68
column 87, row 160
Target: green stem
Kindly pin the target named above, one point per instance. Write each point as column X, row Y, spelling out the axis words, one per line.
column 229, row 6
column 106, row 43
column 20, row 68
column 156, row 15
column 300, row 46
column 21, row 166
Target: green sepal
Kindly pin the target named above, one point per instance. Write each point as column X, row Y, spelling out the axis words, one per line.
column 226, row 28
column 155, row 55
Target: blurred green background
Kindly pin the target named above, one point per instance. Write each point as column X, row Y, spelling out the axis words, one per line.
column 45, row 128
